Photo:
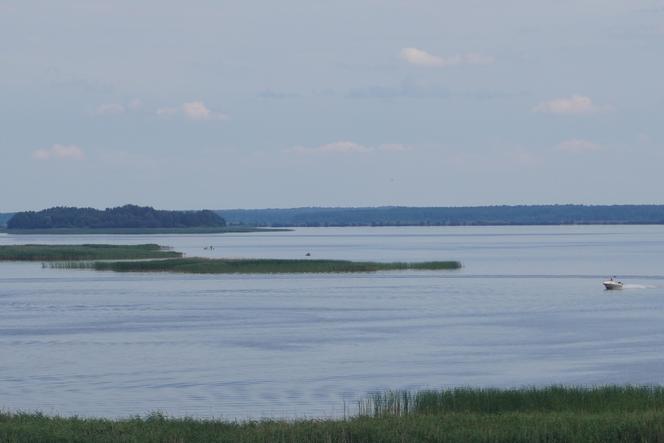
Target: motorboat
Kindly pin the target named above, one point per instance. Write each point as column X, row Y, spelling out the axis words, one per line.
column 612, row 283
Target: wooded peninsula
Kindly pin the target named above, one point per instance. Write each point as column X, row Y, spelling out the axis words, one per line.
column 128, row 216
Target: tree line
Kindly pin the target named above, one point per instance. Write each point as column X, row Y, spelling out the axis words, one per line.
column 449, row 216
column 128, row 216
column 146, row 217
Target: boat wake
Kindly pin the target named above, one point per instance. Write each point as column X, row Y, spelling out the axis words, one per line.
column 636, row 286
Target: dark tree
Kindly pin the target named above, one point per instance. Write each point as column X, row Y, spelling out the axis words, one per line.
column 128, row 216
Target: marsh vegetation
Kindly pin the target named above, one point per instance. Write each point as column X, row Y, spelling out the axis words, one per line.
column 254, row 266
column 555, row 414
column 84, row 252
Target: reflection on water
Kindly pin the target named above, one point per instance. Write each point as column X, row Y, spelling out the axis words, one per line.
column 527, row 308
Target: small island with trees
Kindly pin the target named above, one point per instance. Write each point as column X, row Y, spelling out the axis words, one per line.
column 127, row 219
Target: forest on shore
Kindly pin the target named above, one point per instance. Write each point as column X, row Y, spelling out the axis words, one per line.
column 127, row 216
column 448, row 216
column 130, row 216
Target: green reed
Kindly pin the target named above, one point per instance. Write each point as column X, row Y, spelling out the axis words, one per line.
column 254, row 266
column 495, row 401
column 554, row 414
column 84, row 252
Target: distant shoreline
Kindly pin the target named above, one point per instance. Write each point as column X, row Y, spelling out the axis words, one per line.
column 290, row 228
column 247, row 220
column 141, row 231
column 533, row 215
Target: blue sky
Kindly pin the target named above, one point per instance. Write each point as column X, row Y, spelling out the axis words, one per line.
column 214, row 104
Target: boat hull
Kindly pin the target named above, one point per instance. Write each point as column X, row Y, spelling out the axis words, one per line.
column 612, row 285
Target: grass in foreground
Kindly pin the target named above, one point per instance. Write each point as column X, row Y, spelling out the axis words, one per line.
column 557, row 414
column 604, row 399
column 254, row 266
column 84, row 252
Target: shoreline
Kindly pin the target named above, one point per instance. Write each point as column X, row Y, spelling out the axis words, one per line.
column 139, row 231
column 553, row 413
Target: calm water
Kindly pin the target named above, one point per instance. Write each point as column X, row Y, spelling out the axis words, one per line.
column 528, row 308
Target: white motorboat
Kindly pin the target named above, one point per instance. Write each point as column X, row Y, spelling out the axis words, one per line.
column 612, row 283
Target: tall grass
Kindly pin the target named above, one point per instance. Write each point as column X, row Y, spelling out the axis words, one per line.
column 525, row 400
column 254, row 266
column 557, row 414
column 84, row 252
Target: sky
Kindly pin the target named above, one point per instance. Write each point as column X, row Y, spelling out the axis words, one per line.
column 257, row 104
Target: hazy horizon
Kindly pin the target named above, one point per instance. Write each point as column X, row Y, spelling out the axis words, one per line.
column 358, row 207
column 316, row 104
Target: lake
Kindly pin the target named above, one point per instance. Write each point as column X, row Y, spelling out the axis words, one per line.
column 528, row 308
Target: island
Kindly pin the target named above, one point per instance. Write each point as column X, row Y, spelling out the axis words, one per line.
column 196, row 265
column 127, row 219
column 155, row 258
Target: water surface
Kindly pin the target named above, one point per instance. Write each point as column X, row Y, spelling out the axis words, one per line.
column 527, row 309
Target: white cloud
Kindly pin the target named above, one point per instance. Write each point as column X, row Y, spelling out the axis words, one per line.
column 574, row 105
column 64, row 152
column 348, row 147
column 343, row 147
column 198, row 111
column 110, row 109
column 420, row 57
column 578, row 146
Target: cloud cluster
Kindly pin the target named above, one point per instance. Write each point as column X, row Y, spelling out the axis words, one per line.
column 347, row 147
column 574, row 105
column 196, row 110
column 420, row 57
column 59, row 152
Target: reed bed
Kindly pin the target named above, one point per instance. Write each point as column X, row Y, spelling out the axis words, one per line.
column 254, row 266
column 84, row 252
column 557, row 414
column 523, row 400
